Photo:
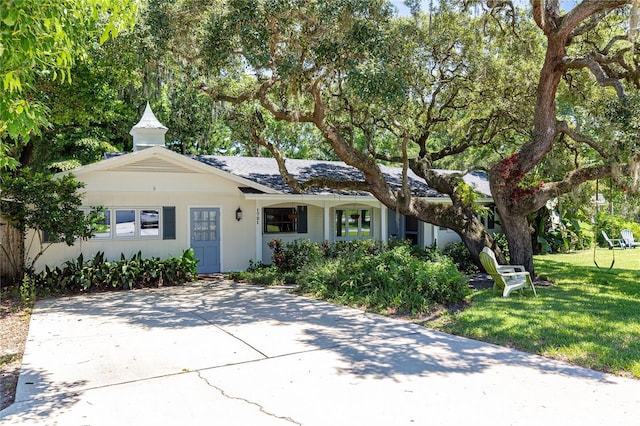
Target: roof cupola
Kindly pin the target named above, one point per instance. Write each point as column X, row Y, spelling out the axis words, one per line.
column 149, row 132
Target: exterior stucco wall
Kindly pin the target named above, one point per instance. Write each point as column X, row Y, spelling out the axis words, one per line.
column 155, row 190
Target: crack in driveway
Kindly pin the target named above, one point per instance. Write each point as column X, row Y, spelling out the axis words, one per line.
column 260, row 407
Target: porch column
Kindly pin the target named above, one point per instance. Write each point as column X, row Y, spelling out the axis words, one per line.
column 258, row 231
column 327, row 224
column 384, row 223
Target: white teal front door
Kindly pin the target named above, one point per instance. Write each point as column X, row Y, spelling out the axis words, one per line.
column 205, row 238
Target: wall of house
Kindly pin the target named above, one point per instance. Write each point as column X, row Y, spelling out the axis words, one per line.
column 444, row 236
column 130, row 189
column 154, row 182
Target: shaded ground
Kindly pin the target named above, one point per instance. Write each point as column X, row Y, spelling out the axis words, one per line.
column 264, row 356
column 14, row 327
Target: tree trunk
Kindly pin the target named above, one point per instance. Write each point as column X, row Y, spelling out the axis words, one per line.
column 475, row 238
column 461, row 219
column 518, row 233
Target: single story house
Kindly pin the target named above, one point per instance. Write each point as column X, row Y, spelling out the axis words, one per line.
column 227, row 209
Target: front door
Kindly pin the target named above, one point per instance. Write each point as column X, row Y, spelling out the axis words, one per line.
column 205, row 238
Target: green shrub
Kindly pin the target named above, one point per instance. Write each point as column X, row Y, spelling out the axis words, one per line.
column 292, row 256
column 392, row 280
column 365, row 273
column 461, row 256
column 501, row 241
column 262, row 274
column 568, row 235
column 27, row 291
column 357, row 248
column 98, row 274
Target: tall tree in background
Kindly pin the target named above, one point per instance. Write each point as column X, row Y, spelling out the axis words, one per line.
column 542, row 104
column 41, row 41
column 44, row 39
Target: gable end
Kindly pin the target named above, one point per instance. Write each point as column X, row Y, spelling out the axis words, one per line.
column 151, row 164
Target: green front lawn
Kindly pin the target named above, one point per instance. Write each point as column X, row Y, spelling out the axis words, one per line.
column 589, row 317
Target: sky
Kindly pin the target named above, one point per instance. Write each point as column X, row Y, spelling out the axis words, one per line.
column 564, row 4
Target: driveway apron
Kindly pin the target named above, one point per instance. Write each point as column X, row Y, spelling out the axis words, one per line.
column 222, row 353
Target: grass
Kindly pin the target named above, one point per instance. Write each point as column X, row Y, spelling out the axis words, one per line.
column 589, row 317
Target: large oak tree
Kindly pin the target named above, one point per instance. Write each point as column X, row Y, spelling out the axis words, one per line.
column 591, row 38
column 475, row 76
column 377, row 89
column 43, row 40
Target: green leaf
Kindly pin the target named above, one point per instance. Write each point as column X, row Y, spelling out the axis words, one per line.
column 11, row 18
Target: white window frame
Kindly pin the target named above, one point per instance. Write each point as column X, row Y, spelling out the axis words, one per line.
column 359, row 230
column 139, row 227
column 137, row 224
column 110, row 232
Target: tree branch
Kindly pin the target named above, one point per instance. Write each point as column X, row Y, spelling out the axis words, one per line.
column 583, row 29
column 596, row 71
column 581, row 12
column 563, row 127
column 225, row 98
column 577, row 177
column 278, row 112
column 277, row 155
column 573, row 179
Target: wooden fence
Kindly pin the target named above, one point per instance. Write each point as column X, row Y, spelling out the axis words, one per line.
column 11, row 254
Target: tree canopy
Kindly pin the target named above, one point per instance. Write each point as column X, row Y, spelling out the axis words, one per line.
column 44, row 39
column 376, row 88
column 540, row 99
column 424, row 91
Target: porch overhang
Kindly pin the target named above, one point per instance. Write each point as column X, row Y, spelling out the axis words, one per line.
column 309, row 198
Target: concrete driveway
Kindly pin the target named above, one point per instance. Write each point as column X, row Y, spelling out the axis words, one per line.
column 221, row 353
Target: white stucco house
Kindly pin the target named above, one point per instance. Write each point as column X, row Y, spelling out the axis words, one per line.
column 229, row 208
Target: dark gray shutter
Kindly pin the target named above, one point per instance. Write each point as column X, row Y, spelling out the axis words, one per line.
column 491, row 219
column 392, row 223
column 302, row 220
column 169, row 223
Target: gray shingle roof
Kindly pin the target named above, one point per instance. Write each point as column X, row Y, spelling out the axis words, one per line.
column 264, row 171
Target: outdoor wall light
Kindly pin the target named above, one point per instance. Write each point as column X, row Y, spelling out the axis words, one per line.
column 239, row 214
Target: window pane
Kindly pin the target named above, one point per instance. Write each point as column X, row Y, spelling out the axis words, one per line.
column 104, row 226
column 125, row 223
column 354, row 219
column 365, row 223
column 341, row 223
column 280, row 220
column 149, row 223
column 353, row 223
